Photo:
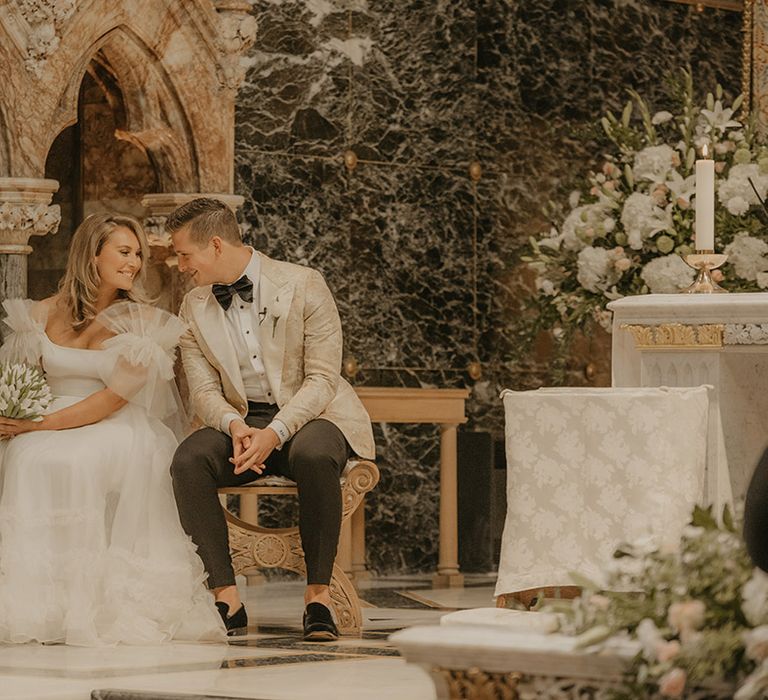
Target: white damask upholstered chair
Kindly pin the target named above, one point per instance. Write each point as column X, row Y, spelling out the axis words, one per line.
column 589, row 469
column 256, row 547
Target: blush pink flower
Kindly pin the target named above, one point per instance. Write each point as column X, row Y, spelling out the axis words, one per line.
column 672, row 683
column 667, row 650
column 686, row 616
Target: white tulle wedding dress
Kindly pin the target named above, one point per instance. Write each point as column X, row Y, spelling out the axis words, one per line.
column 91, row 548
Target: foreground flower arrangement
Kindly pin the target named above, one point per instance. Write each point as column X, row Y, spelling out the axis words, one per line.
column 629, row 225
column 699, row 613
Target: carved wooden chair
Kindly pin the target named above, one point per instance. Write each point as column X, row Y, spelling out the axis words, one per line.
column 256, row 547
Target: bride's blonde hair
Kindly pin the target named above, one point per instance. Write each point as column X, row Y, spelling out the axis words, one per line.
column 78, row 289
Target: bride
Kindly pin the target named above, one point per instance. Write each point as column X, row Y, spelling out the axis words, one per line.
column 91, row 548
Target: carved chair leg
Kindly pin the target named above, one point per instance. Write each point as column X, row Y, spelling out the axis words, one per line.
column 254, row 547
column 346, row 604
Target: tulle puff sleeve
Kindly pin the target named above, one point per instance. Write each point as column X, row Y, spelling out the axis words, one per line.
column 23, row 331
column 141, row 358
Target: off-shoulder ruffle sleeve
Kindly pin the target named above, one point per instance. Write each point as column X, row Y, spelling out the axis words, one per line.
column 141, row 356
column 23, row 331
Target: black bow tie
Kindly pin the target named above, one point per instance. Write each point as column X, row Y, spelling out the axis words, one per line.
column 224, row 292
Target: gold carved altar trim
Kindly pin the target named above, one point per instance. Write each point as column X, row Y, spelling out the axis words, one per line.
column 677, row 336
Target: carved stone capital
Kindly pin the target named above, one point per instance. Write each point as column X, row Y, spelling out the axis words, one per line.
column 44, row 19
column 237, row 32
column 676, row 336
column 160, row 205
column 25, row 211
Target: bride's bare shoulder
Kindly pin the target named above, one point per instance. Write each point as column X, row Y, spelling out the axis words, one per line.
column 51, row 306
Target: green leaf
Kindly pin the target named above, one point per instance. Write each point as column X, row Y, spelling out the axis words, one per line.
column 626, row 115
column 702, row 517
column 593, row 636
column 728, row 519
column 583, row 581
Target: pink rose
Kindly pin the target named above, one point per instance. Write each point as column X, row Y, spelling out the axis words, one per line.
column 610, row 185
column 667, row 650
column 756, row 641
column 672, row 683
column 720, row 166
column 623, row 264
column 686, row 616
column 717, row 275
column 683, row 203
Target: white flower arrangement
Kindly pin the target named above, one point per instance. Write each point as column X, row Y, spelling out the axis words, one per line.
column 24, row 393
column 627, row 228
column 699, row 614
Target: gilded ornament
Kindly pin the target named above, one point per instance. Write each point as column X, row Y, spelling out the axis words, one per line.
column 475, row 370
column 676, row 336
column 350, row 159
column 351, row 367
column 476, row 684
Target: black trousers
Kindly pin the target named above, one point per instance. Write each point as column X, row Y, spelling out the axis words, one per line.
column 314, row 458
column 756, row 515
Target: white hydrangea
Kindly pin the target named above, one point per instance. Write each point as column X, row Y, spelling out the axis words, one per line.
column 545, row 286
column 748, row 256
column 597, row 269
column 735, row 192
column 642, row 219
column 667, row 274
column 584, row 224
column 754, row 596
column 654, row 163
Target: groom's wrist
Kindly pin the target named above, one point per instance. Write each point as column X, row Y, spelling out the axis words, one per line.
column 227, row 420
column 279, row 428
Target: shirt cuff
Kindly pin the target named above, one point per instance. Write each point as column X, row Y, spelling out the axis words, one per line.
column 282, row 432
column 227, row 419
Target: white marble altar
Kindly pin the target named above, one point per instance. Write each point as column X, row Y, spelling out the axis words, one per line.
column 687, row 340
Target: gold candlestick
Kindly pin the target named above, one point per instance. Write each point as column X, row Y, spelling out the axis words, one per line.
column 705, row 261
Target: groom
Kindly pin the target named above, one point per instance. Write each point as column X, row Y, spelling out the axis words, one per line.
column 262, row 357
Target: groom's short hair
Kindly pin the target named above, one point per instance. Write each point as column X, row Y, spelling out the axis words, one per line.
column 205, row 218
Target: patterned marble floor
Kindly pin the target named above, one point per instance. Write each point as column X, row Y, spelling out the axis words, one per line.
column 271, row 663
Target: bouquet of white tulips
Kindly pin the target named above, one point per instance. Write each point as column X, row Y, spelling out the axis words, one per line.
column 24, row 393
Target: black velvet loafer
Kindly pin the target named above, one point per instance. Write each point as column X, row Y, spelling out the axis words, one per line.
column 318, row 624
column 236, row 623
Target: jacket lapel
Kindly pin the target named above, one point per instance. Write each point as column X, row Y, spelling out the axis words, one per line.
column 275, row 296
column 212, row 324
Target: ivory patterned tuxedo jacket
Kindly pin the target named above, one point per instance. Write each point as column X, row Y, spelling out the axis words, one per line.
column 300, row 336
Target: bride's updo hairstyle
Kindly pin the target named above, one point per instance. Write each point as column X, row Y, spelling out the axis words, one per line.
column 79, row 287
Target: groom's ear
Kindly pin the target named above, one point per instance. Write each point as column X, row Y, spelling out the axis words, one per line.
column 217, row 244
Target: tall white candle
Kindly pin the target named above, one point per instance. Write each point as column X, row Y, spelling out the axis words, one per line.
column 705, row 203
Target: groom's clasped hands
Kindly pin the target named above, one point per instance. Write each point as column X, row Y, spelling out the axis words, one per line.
column 251, row 446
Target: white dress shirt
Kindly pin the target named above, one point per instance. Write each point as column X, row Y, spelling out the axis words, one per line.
column 242, row 322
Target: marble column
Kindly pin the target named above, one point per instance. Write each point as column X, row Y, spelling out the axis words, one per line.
column 163, row 279
column 25, row 211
